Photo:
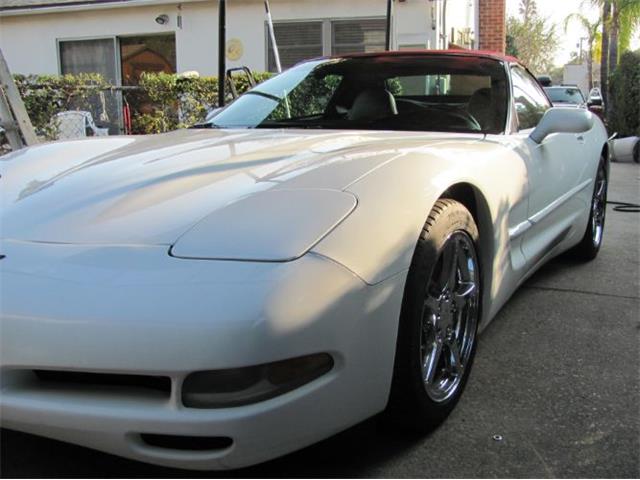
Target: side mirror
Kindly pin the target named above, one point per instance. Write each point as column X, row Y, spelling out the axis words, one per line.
column 562, row 120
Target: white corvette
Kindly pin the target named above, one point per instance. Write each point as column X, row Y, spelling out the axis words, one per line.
column 322, row 250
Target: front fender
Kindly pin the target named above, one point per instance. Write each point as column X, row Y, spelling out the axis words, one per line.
column 378, row 240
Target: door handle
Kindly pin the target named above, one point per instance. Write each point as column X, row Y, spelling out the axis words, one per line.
column 580, row 138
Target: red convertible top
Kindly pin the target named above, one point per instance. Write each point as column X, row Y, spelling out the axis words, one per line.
column 458, row 53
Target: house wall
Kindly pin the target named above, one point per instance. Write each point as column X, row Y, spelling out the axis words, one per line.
column 29, row 42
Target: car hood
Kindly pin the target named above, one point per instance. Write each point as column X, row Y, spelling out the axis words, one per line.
column 151, row 189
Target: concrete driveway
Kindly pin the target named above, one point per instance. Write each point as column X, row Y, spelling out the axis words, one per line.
column 556, row 377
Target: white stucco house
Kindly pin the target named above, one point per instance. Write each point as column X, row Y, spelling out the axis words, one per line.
column 121, row 38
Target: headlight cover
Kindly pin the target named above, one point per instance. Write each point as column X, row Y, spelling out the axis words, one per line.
column 274, row 226
column 242, row 386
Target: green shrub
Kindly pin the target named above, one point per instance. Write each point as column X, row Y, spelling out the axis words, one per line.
column 624, row 114
column 162, row 102
column 46, row 95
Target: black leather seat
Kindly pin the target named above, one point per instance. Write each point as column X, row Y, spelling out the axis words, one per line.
column 372, row 104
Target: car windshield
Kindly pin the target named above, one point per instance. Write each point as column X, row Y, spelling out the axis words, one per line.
column 565, row 95
column 401, row 92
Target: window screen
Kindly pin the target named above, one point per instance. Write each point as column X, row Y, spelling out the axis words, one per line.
column 357, row 36
column 94, row 56
column 89, row 56
column 296, row 42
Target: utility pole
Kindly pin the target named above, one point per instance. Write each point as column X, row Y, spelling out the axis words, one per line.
column 387, row 44
column 13, row 115
column 222, row 49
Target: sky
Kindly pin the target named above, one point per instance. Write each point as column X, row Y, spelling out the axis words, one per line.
column 556, row 11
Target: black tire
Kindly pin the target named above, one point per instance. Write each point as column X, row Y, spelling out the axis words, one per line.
column 636, row 152
column 591, row 242
column 410, row 405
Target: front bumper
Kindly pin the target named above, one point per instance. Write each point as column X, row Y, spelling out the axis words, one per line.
column 137, row 311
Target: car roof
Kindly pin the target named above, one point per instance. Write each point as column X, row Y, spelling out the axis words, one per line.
column 450, row 52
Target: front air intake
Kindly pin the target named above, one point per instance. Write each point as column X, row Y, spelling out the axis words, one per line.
column 186, row 443
column 62, row 378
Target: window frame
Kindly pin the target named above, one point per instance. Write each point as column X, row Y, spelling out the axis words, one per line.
column 536, row 84
column 326, row 32
column 267, row 37
column 116, row 49
column 352, row 19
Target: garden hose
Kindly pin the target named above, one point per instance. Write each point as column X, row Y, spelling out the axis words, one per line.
column 625, row 207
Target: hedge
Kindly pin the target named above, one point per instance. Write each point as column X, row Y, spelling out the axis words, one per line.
column 161, row 102
column 46, row 95
column 625, row 88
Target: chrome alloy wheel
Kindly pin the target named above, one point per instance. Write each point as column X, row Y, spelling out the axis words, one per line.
column 450, row 317
column 599, row 207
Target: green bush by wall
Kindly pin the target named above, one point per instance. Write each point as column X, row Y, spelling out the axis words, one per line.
column 624, row 116
column 160, row 103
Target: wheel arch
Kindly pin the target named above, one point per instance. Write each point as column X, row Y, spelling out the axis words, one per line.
column 474, row 200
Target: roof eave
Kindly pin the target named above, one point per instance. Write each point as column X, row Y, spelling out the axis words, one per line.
column 39, row 10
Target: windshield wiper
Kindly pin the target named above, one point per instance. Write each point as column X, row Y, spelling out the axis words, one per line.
column 263, row 94
column 204, row 125
column 290, row 125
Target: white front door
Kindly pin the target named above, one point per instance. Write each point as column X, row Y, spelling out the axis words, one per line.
column 555, row 168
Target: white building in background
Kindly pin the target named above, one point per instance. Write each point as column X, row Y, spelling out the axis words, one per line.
column 578, row 74
column 122, row 38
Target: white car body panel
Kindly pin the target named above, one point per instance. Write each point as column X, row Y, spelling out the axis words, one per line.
column 95, row 326
column 165, row 255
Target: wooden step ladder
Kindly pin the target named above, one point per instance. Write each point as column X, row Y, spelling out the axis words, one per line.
column 13, row 115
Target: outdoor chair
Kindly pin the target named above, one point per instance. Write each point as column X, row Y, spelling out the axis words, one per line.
column 77, row 124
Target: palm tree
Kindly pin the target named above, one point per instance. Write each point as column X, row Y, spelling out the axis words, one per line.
column 604, row 51
column 592, row 33
column 619, row 19
column 628, row 21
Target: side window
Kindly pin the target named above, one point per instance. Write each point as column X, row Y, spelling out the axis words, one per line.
column 530, row 101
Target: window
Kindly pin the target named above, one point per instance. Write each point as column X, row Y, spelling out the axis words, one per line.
column 118, row 65
column 569, row 95
column 299, row 41
column 89, row 56
column 447, row 84
column 296, row 42
column 403, row 93
column 531, row 103
column 149, row 53
column 357, row 36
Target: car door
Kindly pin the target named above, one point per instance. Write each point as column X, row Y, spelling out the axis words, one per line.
column 555, row 168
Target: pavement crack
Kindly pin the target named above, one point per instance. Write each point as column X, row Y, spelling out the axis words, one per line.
column 546, row 466
column 571, row 290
